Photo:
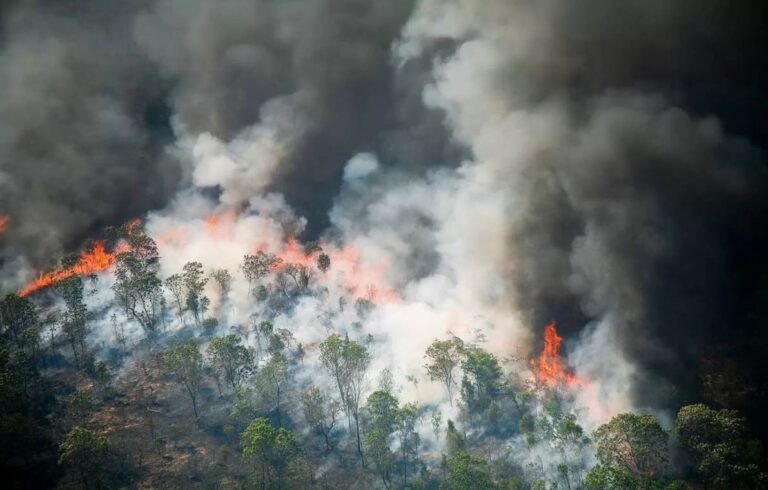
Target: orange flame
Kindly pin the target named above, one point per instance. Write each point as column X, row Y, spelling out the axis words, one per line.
column 549, row 369
column 360, row 278
column 4, row 219
column 93, row 260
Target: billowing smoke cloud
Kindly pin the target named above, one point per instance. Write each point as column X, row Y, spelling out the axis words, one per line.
column 498, row 164
column 82, row 129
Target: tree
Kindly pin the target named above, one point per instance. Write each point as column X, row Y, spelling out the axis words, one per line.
column 560, row 430
column 408, row 417
column 323, row 262
column 185, row 361
column 272, row 382
column 86, row 453
column 271, row 450
column 194, row 282
column 481, row 383
column 230, row 359
column 443, row 357
column 610, row 478
column 74, row 321
column 381, row 415
column 717, row 442
column 175, row 285
column 256, row 267
column 137, row 288
column 467, row 472
column 17, row 314
column 319, row 413
column 634, row 443
column 455, row 442
column 223, row 280
column 347, row 362
column 300, row 275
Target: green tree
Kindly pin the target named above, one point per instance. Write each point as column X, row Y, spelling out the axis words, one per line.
column 256, row 267
column 443, row 357
column 320, row 413
column 455, row 442
column 408, row 417
column 85, row 452
column 74, row 321
column 223, row 280
column 194, row 283
column 481, row 383
column 272, row 383
column 381, row 416
column 634, row 443
column 271, row 450
column 175, row 285
column 137, row 287
column 17, row 314
column 185, row 361
column 467, row 472
column 230, row 359
column 602, row 477
column 717, row 442
column 347, row 362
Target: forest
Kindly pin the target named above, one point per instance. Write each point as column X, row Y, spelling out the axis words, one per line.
column 212, row 405
column 383, row 244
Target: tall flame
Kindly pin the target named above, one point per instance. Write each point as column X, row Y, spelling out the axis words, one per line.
column 549, row 369
column 93, row 260
column 4, row 219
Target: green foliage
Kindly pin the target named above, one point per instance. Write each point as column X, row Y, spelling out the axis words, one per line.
column 320, row 413
column 443, row 357
column 230, row 359
column 272, row 384
column 467, row 472
column 194, row 282
column 185, row 362
column 717, row 442
column 137, row 287
column 175, row 285
column 17, row 315
column 602, row 477
column 481, row 384
column 271, row 450
column 75, row 319
column 85, row 452
column 635, row 444
column 256, row 267
column 347, row 362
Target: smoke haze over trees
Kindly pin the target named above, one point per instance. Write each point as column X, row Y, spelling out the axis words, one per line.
column 330, row 223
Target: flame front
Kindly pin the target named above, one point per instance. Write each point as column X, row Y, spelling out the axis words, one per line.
column 4, row 219
column 549, row 369
column 93, row 260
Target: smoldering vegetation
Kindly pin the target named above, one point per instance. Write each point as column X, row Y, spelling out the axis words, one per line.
column 470, row 172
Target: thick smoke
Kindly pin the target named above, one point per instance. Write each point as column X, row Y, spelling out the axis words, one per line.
column 499, row 164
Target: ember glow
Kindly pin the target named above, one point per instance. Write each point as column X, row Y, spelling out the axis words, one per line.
column 95, row 259
column 549, row 369
column 4, row 219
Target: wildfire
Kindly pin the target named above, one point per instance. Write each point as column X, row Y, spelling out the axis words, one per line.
column 358, row 277
column 549, row 369
column 93, row 260
column 4, row 219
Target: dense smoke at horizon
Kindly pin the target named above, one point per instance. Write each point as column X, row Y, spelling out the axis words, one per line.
column 474, row 168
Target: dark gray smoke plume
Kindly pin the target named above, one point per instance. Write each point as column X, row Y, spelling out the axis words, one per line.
column 591, row 162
